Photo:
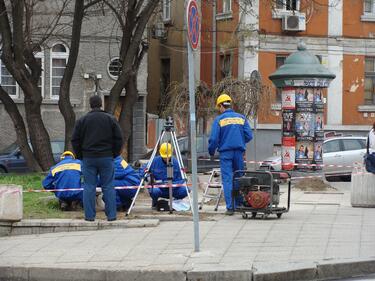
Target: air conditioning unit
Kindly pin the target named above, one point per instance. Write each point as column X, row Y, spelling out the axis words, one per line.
column 295, row 22
column 159, row 31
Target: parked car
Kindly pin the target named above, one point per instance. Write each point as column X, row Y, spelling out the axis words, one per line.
column 12, row 161
column 336, row 151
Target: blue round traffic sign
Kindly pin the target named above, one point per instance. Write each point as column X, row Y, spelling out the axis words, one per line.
column 193, row 24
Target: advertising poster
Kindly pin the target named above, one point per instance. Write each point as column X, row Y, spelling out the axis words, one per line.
column 288, row 123
column 318, row 155
column 288, row 100
column 305, row 126
column 319, row 126
column 288, row 150
column 304, row 99
column 304, row 154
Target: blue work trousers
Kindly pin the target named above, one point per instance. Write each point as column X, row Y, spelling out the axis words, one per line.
column 177, row 193
column 230, row 161
column 91, row 168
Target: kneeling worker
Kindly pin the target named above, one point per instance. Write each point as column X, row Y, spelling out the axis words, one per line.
column 66, row 175
column 125, row 175
column 158, row 171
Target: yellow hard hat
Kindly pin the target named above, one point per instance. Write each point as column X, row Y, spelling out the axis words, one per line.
column 65, row 153
column 223, row 98
column 165, row 150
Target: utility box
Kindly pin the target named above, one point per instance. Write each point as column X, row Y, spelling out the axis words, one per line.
column 11, row 203
column 302, row 80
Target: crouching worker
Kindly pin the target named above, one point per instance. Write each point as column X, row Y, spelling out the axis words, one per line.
column 158, row 174
column 66, row 175
column 125, row 175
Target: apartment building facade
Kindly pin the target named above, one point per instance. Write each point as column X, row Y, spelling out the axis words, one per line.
column 339, row 32
column 96, row 71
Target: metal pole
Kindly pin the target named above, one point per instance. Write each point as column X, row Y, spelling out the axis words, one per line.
column 193, row 145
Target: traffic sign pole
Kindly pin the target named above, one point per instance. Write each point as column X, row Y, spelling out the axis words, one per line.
column 193, row 40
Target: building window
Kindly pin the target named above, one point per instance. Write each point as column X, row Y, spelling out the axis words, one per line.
column 7, row 82
column 166, row 10
column 226, row 65
column 280, row 60
column 370, row 81
column 59, row 57
column 369, row 7
column 114, row 68
column 227, row 6
column 288, row 5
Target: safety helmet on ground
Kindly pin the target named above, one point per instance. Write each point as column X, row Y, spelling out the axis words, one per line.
column 165, row 150
column 67, row 153
column 224, row 98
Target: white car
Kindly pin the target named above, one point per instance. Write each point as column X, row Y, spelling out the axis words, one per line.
column 339, row 155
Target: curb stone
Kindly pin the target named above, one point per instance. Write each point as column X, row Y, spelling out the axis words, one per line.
column 27, row 227
column 345, row 269
column 285, row 272
column 262, row 272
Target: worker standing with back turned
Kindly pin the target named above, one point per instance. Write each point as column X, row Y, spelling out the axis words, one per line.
column 229, row 134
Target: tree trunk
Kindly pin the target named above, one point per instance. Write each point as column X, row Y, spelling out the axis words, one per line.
column 126, row 115
column 20, row 129
column 65, row 106
column 38, row 134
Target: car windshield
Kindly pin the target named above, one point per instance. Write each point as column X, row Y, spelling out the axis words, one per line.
column 9, row 149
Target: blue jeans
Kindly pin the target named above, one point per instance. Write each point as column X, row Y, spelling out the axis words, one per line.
column 230, row 161
column 91, row 168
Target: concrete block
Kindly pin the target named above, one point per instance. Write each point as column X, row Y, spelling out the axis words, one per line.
column 135, row 275
column 65, row 274
column 81, row 223
column 362, row 189
column 346, row 269
column 217, row 275
column 285, row 272
column 11, row 202
column 13, row 273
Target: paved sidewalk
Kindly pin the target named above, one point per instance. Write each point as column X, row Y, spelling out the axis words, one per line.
column 322, row 236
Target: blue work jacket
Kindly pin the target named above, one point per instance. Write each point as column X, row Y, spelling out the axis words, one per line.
column 230, row 131
column 159, row 170
column 125, row 175
column 65, row 174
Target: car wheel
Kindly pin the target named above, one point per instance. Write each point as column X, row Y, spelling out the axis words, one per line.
column 2, row 170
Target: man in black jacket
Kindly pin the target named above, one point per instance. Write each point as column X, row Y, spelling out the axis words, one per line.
column 97, row 140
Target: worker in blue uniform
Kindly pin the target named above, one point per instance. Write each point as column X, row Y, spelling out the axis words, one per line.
column 66, row 175
column 158, row 173
column 125, row 175
column 229, row 134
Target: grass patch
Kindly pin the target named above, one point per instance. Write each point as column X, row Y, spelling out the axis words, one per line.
column 35, row 205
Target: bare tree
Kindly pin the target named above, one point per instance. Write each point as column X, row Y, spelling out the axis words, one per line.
column 132, row 18
column 25, row 26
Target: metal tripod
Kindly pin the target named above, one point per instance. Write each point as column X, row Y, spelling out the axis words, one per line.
column 170, row 135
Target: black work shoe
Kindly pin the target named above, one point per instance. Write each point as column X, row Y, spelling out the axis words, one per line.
column 89, row 219
column 113, row 219
column 229, row 213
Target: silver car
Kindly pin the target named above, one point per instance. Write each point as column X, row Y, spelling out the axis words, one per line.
column 339, row 155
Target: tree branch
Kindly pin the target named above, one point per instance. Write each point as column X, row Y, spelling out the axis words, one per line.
column 18, row 35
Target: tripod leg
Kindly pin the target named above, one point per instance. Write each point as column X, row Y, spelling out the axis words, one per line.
column 181, row 166
column 147, row 168
column 135, row 197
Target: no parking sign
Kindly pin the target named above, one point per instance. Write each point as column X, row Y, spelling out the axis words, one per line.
column 193, row 24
